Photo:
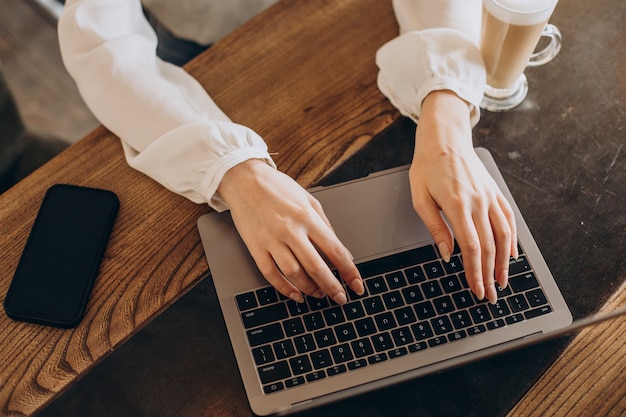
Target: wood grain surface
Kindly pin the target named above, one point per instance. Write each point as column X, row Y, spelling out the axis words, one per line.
column 302, row 75
column 588, row 378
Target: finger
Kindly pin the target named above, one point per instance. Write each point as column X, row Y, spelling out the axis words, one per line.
column 469, row 243
column 430, row 213
column 273, row 275
column 291, row 267
column 510, row 218
column 488, row 251
column 502, row 232
column 329, row 245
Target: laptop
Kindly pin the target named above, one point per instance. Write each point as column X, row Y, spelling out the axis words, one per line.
column 416, row 317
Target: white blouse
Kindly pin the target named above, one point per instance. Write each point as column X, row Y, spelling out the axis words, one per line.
column 172, row 131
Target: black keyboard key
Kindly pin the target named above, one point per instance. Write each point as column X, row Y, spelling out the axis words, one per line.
column 377, row 358
column 385, row 321
column 345, row 332
column 434, row 270
column 415, row 274
column 424, row 310
column 395, row 280
column 412, row 294
column 300, row 365
column 523, row 282
column 418, row 347
column 315, row 376
column 422, row 330
column 518, row 303
column 341, row 353
column 274, row 372
column 293, row 327
column 284, row 349
column 297, row 309
column 458, row 335
column 536, row 297
column 365, row 326
column 454, row 266
column 362, row 348
column 374, row 304
column 402, row 336
column 397, row 352
column 264, row 315
column 463, row 299
column 441, row 325
column 474, row 330
column 405, row 315
column 267, row 295
column 393, row 300
column 266, row 334
column 536, row 312
column 518, row 266
column 496, row 324
column 480, row 314
column 398, row 260
column 382, row 342
column 317, row 304
column 354, row 310
column 246, row 301
column 499, row 309
column 263, row 355
column 321, row 359
column 516, row 318
column 325, row 337
column 431, row 289
column 313, row 321
column 337, row 369
column 461, row 319
column 376, row 285
column 294, row 382
column 443, row 305
column 359, row 363
column 278, row 386
column 437, row 341
column 304, row 343
column 503, row 292
column 334, row 315
column 451, row 284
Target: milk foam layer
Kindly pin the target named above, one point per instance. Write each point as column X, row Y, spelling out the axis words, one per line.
column 521, row 12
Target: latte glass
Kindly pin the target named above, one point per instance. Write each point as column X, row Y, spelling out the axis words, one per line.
column 510, row 32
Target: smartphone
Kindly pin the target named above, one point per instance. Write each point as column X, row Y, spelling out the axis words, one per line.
column 62, row 256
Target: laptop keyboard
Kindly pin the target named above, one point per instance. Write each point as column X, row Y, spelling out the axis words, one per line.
column 413, row 301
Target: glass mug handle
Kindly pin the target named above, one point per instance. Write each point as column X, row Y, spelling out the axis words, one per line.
column 551, row 50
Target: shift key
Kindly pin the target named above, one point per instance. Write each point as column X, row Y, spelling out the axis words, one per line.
column 264, row 315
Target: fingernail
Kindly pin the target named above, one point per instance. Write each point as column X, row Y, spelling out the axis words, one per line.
column 357, row 287
column 297, row 297
column 444, row 250
column 340, row 298
column 319, row 294
column 479, row 291
column 504, row 279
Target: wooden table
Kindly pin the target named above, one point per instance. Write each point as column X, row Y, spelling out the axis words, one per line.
column 303, row 76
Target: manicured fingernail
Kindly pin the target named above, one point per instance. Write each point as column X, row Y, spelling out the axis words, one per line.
column 357, row 287
column 444, row 250
column 319, row 294
column 340, row 298
column 479, row 291
column 297, row 297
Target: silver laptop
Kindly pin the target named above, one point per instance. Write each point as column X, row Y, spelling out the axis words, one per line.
column 417, row 316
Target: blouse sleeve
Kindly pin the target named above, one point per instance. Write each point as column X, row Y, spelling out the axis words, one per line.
column 171, row 130
column 437, row 49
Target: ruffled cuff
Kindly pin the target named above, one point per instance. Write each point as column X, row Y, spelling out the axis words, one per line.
column 417, row 63
column 192, row 159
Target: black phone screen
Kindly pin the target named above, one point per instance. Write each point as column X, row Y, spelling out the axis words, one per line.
column 62, row 256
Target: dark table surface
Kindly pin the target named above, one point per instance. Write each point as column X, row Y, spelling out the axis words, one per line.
column 562, row 155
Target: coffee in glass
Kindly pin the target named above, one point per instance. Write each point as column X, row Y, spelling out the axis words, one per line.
column 510, row 32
